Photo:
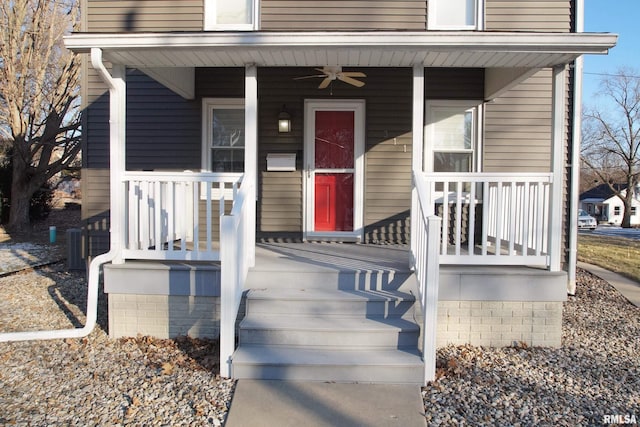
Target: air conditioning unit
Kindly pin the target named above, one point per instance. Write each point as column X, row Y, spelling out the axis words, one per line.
column 75, row 260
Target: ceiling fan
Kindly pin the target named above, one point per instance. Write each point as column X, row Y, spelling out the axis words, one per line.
column 335, row 73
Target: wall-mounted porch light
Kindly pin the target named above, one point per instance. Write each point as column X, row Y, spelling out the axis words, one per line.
column 284, row 121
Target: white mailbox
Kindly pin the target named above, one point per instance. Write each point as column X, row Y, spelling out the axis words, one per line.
column 281, row 162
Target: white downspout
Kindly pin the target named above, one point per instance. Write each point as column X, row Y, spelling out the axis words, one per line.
column 117, row 111
column 575, row 158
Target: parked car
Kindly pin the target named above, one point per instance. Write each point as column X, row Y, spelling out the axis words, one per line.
column 586, row 221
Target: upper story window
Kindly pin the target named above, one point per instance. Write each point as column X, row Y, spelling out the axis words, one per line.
column 455, row 14
column 231, row 15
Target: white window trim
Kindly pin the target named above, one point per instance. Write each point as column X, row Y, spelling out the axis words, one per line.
column 476, row 149
column 211, row 24
column 208, row 105
column 432, row 24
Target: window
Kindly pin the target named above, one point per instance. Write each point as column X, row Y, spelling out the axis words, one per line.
column 451, row 137
column 223, row 135
column 454, row 14
column 230, row 14
column 633, row 210
column 616, row 210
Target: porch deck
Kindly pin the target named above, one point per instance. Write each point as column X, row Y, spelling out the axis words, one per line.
column 283, row 264
column 342, row 266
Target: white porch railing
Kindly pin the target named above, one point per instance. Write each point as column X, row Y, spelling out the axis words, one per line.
column 170, row 215
column 425, row 263
column 163, row 222
column 491, row 218
column 237, row 244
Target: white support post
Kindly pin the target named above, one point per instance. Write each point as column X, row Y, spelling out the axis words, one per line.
column 117, row 147
column 229, row 279
column 430, row 298
column 417, row 149
column 251, row 154
column 557, row 165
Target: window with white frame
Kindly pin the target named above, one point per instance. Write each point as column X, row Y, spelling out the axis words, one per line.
column 455, row 14
column 230, row 15
column 617, row 211
column 223, row 135
column 451, row 136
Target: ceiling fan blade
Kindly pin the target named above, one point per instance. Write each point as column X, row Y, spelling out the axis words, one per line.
column 325, row 83
column 309, row 77
column 323, row 70
column 347, row 79
column 353, row 74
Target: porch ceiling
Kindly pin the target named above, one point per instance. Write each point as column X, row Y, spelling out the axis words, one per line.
column 357, row 49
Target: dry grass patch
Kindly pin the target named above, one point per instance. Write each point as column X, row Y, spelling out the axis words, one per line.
column 612, row 253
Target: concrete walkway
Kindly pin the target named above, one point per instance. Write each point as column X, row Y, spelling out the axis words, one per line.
column 289, row 403
column 627, row 287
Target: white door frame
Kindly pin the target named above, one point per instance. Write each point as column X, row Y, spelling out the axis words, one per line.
column 309, row 171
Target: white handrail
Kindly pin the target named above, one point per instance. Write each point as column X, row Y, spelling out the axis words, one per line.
column 236, row 255
column 426, row 266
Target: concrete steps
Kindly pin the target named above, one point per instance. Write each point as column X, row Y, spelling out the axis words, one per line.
column 391, row 366
column 328, row 334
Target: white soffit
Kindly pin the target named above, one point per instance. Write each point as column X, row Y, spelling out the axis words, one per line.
column 362, row 49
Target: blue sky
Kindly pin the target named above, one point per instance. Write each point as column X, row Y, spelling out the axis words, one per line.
column 613, row 16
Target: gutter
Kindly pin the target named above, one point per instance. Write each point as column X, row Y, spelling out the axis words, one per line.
column 116, row 95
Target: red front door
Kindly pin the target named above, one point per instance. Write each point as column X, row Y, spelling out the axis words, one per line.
column 334, row 171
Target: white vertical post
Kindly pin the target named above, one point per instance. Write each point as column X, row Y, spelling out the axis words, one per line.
column 251, row 155
column 417, row 142
column 430, row 299
column 229, row 280
column 557, row 166
column 117, row 150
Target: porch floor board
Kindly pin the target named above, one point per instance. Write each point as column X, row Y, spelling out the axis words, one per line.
column 331, row 257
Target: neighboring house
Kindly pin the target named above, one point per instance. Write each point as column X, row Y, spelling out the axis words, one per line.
column 606, row 207
column 350, row 124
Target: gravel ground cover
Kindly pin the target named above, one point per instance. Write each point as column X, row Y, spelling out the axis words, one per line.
column 594, row 378
column 99, row 381
column 25, row 255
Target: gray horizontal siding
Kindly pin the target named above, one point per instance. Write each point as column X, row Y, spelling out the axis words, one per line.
column 148, row 15
column 281, row 202
column 343, row 15
column 528, row 15
column 163, row 129
column 454, row 83
column 518, row 128
column 388, row 148
column 95, row 210
column 332, row 15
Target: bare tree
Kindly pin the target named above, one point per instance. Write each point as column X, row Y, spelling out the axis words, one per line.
column 39, row 96
column 611, row 137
